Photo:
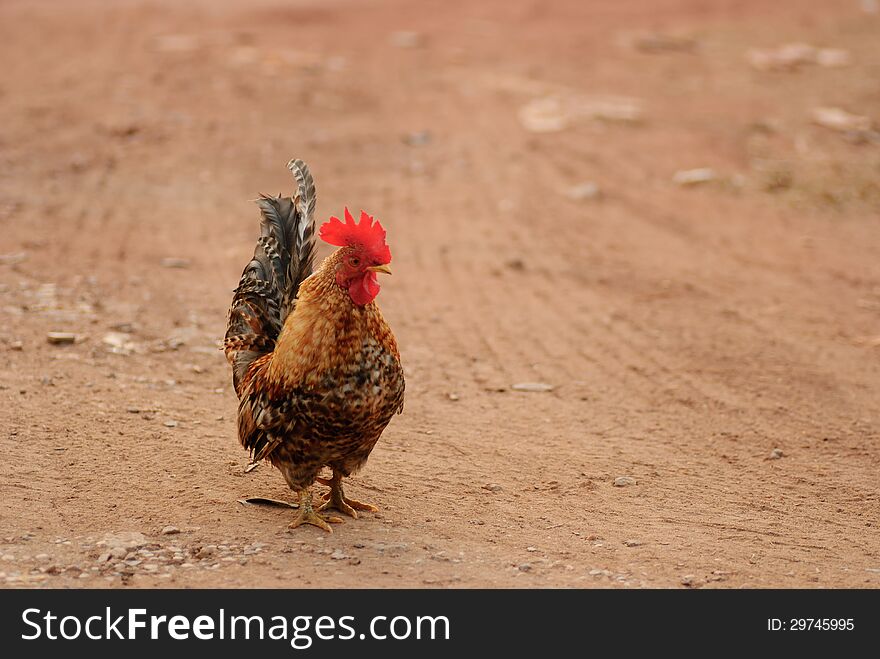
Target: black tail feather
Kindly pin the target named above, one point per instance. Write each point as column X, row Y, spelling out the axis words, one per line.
column 283, row 258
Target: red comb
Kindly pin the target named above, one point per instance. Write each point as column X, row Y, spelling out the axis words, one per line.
column 365, row 234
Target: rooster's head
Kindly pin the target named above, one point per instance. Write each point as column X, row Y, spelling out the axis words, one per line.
column 363, row 254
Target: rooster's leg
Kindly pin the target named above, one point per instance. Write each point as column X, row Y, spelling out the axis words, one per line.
column 336, row 499
column 307, row 514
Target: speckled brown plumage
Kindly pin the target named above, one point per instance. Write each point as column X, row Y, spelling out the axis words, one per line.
column 318, row 386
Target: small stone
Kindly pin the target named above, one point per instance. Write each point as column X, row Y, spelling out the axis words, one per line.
column 61, row 338
column 583, row 191
column 406, row 39
column 118, row 553
column 170, row 530
column 623, row 481
column 690, row 177
column 103, row 558
column 171, row 423
column 453, row 397
column 532, row 387
column 531, row 549
column 173, row 262
column 123, row 539
column 176, row 43
column 633, row 543
column 833, row 58
column 206, row 552
column 16, row 345
column 339, row 555
column 776, row 453
column 840, row 120
column 493, row 487
column 784, row 58
column 419, row 138
column 544, row 115
column 524, row 567
column 655, row 42
column 118, row 343
column 11, row 259
column 42, row 558
column 688, row 580
column 124, row 327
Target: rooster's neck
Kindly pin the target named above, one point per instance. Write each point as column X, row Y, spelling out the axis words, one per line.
column 325, row 331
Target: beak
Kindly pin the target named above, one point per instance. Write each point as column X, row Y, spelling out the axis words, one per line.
column 381, row 268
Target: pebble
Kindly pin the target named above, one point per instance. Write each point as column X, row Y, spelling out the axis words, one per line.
column 118, row 343
column 61, row 338
column 170, row 530
column 339, row 555
column 11, row 259
column 531, row 549
column 16, row 345
column 493, row 487
column 623, row 481
column 173, row 262
column 532, row 387
column 544, row 115
column 176, row 43
column 171, row 423
column 453, row 397
column 633, row 543
column 406, row 39
column 655, row 42
column 790, row 57
column 124, row 327
column 690, row 177
column 419, row 138
column 206, row 552
column 524, row 567
column 688, row 580
column 123, row 539
column 833, row 58
column 583, row 191
column 840, row 120
column 776, row 453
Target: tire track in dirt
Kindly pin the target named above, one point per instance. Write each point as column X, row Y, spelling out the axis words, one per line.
column 621, row 336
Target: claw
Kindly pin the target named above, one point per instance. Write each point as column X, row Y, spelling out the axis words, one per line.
column 335, row 499
column 307, row 515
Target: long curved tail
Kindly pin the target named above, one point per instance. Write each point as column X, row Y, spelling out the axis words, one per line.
column 267, row 291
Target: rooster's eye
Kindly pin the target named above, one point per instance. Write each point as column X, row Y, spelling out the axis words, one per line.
column 354, row 262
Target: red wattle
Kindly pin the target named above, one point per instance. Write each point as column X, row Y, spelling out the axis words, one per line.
column 364, row 289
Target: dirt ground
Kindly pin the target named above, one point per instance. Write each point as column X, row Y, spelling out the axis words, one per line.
column 713, row 349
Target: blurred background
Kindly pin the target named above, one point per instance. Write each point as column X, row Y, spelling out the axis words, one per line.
column 637, row 286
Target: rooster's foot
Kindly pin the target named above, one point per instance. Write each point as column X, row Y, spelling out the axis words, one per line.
column 307, row 515
column 336, row 499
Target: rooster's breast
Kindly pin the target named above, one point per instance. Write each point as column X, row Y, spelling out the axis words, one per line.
column 358, row 399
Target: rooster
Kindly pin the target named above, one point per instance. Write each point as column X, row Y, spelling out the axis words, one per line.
column 314, row 364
